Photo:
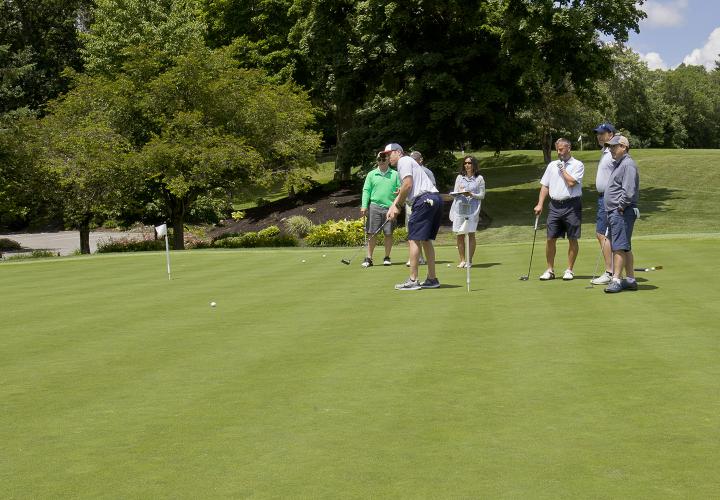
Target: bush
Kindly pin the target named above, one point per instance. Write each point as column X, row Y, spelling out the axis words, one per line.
column 8, row 244
column 36, row 254
column 400, row 234
column 346, row 233
column 298, row 226
column 268, row 237
column 337, row 233
column 130, row 245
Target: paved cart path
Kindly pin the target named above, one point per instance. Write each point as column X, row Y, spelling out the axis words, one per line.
column 64, row 242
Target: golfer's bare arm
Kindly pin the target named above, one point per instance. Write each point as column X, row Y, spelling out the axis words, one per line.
column 541, row 200
column 569, row 179
column 402, row 195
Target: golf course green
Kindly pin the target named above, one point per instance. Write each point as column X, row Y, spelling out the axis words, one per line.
column 312, row 379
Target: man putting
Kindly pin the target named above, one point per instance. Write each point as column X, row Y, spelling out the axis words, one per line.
column 417, row 189
column 621, row 197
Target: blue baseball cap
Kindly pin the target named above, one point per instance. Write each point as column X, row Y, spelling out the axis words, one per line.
column 605, row 127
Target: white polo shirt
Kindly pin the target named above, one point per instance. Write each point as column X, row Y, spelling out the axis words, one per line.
column 555, row 183
column 604, row 169
column 421, row 182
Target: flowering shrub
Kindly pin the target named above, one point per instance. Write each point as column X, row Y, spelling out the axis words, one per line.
column 148, row 243
column 337, row 233
column 346, row 233
column 238, row 215
column 268, row 237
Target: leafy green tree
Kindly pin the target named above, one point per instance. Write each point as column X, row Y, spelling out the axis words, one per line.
column 639, row 105
column 692, row 89
column 23, row 197
column 124, row 28
column 86, row 158
column 258, row 32
column 220, row 126
column 42, row 35
column 438, row 74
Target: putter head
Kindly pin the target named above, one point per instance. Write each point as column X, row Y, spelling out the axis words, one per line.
column 523, row 278
column 345, row 261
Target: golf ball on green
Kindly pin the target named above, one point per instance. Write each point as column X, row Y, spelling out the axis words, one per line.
column 303, row 260
column 212, row 304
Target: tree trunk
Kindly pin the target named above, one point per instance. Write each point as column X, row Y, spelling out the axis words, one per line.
column 343, row 123
column 177, row 219
column 85, row 237
column 178, row 240
column 547, row 146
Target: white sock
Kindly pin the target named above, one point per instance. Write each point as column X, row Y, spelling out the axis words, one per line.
column 630, row 280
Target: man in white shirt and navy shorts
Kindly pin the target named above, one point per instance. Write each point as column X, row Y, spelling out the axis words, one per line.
column 420, row 192
column 562, row 182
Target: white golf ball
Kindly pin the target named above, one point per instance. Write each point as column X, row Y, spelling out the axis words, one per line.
column 448, row 265
column 324, row 255
column 212, row 304
column 303, row 260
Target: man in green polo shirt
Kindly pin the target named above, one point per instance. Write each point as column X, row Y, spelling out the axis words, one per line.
column 379, row 191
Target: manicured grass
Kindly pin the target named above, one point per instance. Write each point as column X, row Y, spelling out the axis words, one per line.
column 318, row 380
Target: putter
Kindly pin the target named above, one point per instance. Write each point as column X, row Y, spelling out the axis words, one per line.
column 527, row 276
column 647, row 269
column 597, row 262
column 348, row 261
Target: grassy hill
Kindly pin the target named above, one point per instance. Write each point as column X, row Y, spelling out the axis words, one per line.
column 678, row 191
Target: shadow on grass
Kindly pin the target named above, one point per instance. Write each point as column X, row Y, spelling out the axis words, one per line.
column 515, row 207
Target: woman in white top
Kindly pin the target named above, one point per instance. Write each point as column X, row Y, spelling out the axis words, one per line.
column 470, row 189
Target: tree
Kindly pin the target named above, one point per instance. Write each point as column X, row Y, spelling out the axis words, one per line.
column 86, row 158
column 639, row 105
column 692, row 89
column 258, row 31
column 122, row 28
column 436, row 74
column 43, row 34
column 203, row 143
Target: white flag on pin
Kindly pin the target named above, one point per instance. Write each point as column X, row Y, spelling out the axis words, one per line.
column 161, row 230
column 580, row 139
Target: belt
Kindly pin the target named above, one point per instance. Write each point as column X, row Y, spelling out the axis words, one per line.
column 564, row 200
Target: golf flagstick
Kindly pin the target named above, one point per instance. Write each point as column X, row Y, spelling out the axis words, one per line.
column 161, row 230
column 467, row 255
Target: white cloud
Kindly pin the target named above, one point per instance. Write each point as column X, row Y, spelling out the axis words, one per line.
column 653, row 60
column 708, row 54
column 667, row 14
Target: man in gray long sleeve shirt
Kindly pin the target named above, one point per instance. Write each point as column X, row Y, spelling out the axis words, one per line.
column 621, row 197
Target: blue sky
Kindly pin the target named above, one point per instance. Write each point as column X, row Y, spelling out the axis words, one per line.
column 678, row 31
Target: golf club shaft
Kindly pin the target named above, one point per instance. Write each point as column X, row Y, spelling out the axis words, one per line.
column 366, row 239
column 602, row 248
column 532, row 250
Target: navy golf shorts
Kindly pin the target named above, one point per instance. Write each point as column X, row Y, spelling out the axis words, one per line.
column 425, row 218
column 565, row 218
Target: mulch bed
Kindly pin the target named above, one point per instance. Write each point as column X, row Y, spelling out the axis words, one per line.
column 317, row 205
